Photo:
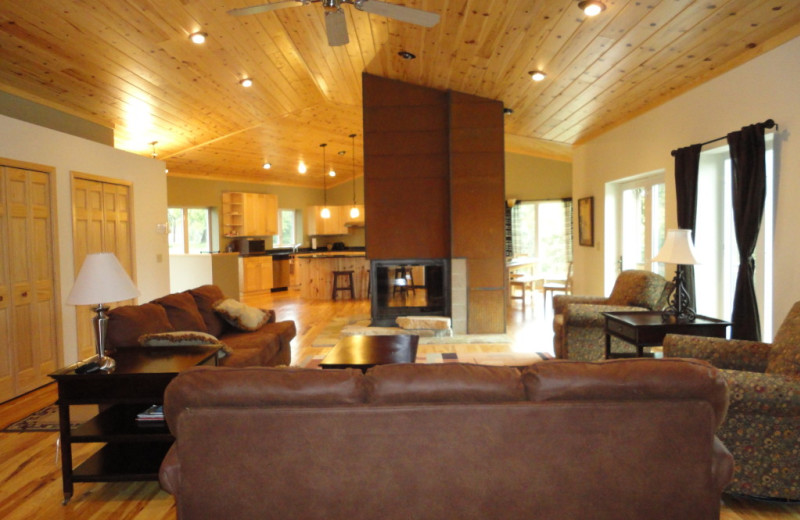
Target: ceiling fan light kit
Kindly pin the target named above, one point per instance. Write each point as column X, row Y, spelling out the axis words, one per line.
column 592, row 7
column 335, row 21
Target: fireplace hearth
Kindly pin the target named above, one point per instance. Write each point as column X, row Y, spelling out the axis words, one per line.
column 408, row 287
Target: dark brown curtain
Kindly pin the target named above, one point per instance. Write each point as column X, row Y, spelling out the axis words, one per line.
column 749, row 193
column 687, row 164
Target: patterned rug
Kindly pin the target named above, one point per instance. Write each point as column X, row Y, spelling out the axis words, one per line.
column 332, row 333
column 46, row 419
column 514, row 359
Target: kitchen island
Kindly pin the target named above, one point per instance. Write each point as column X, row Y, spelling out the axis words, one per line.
column 315, row 273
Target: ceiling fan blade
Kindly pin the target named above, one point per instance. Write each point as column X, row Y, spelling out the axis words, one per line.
column 398, row 12
column 262, row 8
column 336, row 27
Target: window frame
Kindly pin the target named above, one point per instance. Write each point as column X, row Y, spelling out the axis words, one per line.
column 185, row 214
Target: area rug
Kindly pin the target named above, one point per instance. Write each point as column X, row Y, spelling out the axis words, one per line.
column 46, row 419
column 332, row 333
column 514, row 359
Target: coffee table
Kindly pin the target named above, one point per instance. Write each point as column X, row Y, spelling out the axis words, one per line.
column 363, row 351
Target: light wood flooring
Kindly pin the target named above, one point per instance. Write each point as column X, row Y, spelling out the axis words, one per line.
column 30, row 477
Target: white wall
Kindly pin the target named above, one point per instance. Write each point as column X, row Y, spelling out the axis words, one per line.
column 35, row 144
column 763, row 88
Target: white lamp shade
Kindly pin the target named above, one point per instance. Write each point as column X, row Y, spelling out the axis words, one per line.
column 677, row 249
column 101, row 280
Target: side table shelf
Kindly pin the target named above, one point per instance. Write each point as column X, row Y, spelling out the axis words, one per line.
column 132, row 451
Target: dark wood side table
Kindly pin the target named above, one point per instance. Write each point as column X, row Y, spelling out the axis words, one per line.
column 132, row 451
column 648, row 328
column 367, row 351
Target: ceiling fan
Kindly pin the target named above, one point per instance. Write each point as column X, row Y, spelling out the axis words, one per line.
column 335, row 23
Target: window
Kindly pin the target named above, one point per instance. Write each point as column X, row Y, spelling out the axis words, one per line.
column 641, row 228
column 286, row 236
column 715, row 240
column 543, row 230
column 189, row 230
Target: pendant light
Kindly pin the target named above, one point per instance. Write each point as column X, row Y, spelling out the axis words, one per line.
column 325, row 213
column 354, row 212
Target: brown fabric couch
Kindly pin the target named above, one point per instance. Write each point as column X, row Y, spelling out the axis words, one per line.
column 193, row 310
column 557, row 440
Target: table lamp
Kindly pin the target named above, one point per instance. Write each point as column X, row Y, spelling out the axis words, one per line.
column 679, row 250
column 101, row 280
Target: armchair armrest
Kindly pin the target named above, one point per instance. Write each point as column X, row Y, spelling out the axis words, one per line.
column 753, row 393
column 588, row 315
column 734, row 354
column 560, row 301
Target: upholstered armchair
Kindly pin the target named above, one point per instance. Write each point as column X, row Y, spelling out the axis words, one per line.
column 578, row 324
column 762, row 428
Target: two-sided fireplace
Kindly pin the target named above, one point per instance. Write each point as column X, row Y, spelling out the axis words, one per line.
column 409, row 288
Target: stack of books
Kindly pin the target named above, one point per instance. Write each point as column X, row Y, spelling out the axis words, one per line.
column 153, row 416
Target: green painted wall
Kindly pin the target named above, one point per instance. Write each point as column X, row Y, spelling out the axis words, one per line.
column 534, row 178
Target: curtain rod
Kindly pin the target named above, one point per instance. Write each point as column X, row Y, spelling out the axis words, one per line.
column 769, row 123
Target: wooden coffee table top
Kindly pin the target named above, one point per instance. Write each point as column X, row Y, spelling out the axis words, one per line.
column 367, row 351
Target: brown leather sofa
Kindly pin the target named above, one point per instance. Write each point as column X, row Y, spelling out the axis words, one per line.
column 193, row 310
column 558, row 440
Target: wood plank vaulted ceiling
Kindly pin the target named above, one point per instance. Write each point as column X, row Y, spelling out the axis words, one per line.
column 129, row 65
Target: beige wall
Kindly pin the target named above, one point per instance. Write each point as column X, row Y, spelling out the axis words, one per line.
column 763, row 88
column 534, row 178
column 23, row 141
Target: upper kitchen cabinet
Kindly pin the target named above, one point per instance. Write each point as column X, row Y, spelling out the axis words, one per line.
column 333, row 225
column 249, row 214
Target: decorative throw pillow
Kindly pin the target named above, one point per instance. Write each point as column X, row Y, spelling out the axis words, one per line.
column 241, row 316
column 128, row 322
column 182, row 312
column 180, row 338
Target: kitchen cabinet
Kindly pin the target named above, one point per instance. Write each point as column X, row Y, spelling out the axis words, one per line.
column 255, row 275
column 337, row 224
column 249, row 214
column 316, row 225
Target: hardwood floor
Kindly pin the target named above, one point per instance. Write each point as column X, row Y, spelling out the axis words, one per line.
column 30, row 475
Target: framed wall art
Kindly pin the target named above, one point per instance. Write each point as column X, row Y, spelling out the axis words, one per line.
column 586, row 221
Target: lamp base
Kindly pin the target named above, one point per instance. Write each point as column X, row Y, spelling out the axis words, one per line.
column 679, row 309
column 106, row 363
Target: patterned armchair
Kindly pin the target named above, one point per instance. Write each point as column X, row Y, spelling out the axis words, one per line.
column 578, row 325
column 762, row 427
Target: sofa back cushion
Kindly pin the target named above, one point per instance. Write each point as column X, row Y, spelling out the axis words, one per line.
column 182, row 312
column 784, row 356
column 628, row 380
column 441, row 383
column 205, row 297
column 219, row 387
column 638, row 288
column 128, row 322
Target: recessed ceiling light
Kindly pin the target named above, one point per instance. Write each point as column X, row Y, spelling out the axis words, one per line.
column 246, row 82
column 508, row 111
column 301, row 168
column 198, row 37
column 537, row 75
column 592, row 7
column 406, row 55
column 267, row 166
column 332, row 173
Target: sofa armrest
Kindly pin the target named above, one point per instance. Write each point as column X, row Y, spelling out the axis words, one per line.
column 732, row 354
column 169, row 475
column 560, row 301
column 753, row 393
column 588, row 315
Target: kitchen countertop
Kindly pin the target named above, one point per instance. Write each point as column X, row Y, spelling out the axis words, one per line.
column 331, row 254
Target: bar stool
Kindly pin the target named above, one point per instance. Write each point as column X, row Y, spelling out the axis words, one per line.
column 347, row 277
column 404, row 280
